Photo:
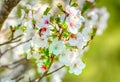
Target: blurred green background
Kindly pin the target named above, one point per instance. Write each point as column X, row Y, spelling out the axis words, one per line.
column 103, row 57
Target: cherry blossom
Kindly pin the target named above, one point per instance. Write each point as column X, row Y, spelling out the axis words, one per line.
column 44, row 22
column 56, row 47
column 78, row 41
column 37, row 41
column 7, row 79
column 77, row 67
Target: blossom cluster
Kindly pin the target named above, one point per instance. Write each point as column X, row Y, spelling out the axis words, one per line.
column 60, row 39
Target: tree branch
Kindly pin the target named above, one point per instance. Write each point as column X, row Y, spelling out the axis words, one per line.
column 12, row 40
column 40, row 78
column 55, row 70
column 13, row 47
column 6, row 8
column 15, row 62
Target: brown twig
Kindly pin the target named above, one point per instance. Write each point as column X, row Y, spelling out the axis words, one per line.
column 15, row 62
column 20, row 73
column 11, row 41
column 13, row 47
column 47, row 74
column 19, row 78
column 55, row 70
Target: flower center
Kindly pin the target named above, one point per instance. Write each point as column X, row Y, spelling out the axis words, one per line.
column 72, row 35
column 75, row 65
column 56, row 47
column 44, row 29
column 46, row 22
column 44, row 68
column 72, row 24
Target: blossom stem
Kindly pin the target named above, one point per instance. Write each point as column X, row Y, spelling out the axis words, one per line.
column 60, row 36
column 45, row 73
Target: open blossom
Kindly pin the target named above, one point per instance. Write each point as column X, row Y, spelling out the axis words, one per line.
column 93, row 18
column 41, row 67
column 74, row 23
column 38, row 41
column 98, row 19
column 87, row 29
column 72, row 11
column 56, row 47
column 36, row 55
column 44, row 27
column 27, row 49
column 72, row 59
column 74, row 20
column 28, row 34
column 77, row 67
column 78, row 41
column 44, row 22
column 70, row 56
column 82, row 40
column 102, row 24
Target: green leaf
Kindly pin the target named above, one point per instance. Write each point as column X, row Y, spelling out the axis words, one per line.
column 51, row 19
column 33, row 21
column 53, row 54
column 47, row 10
column 82, row 27
column 64, row 25
column 35, row 28
column 54, row 35
column 16, row 27
column 94, row 32
column 48, row 61
column 57, row 20
column 66, row 34
column 23, row 54
column 23, row 28
column 74, row 5
column 53, row 30
column 86, row 6
column 11, row 27
column 60, row 6
column 47, row 52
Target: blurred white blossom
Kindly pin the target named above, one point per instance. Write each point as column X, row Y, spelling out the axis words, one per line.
column 7, row 79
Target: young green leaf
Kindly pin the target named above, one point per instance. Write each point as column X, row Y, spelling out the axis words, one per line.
column 47, row 10
column 74, row 5
column 60, row 6
column 57, row 20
